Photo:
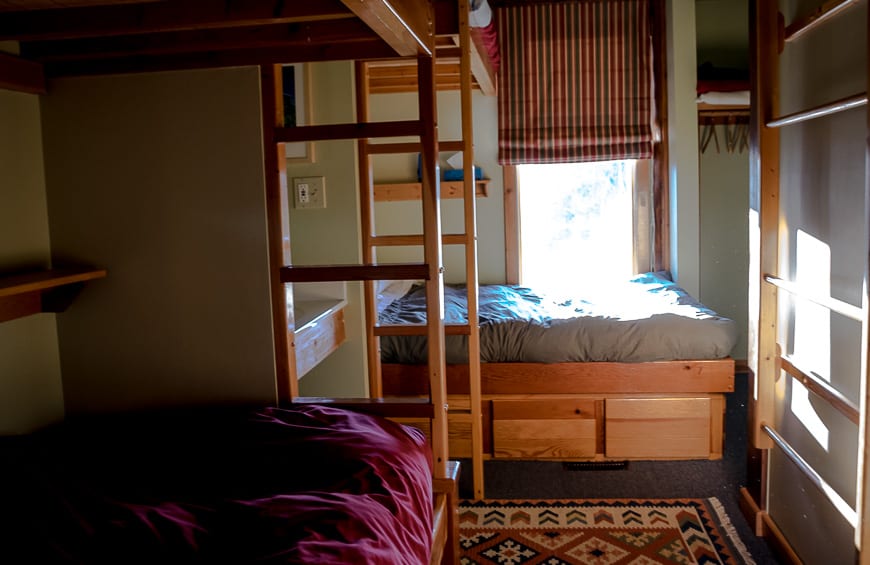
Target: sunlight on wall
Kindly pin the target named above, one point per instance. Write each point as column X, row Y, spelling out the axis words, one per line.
column 576, row 224
column 812, row 329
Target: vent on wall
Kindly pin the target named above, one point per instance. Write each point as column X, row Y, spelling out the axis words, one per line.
column 595, row 465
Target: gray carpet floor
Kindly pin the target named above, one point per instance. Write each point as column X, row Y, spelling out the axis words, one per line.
column 640, row 479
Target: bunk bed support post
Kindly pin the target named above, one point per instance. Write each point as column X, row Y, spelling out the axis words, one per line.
column 471, row 268
column 278, row 222
column 764, row 198
column 432, row 252
column 367, row 222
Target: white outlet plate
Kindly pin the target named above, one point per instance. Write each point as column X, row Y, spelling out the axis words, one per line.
column 309, row 192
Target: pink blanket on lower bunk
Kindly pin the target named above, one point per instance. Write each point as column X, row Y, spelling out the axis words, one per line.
column 311, row 484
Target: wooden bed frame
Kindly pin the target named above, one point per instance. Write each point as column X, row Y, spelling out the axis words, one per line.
column 586, row 411
column 62, row 38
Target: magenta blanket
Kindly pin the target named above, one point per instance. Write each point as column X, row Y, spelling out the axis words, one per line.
column 311, row 484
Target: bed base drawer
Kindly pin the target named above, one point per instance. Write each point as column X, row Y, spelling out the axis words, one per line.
column 555, row 428
column 661, row 428
column 458, row 431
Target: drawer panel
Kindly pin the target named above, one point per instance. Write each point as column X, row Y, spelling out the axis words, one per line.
column 549, row 428
column 555, row 408
column 658, row 428
column 458, row 433
column 544, row 439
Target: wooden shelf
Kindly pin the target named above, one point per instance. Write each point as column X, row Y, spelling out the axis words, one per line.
column 50, row 290
column 392, row 192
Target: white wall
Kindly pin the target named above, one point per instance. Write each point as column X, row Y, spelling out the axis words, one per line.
column 683, row 145
column 722, row 28
column 724, row 241
column 30, row 385
column 159, row 179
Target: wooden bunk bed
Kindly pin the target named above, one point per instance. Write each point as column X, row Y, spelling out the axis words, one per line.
column 583, row 410
column 85, row 37
column 466, row 60
column 831, row 368
column 577, row 411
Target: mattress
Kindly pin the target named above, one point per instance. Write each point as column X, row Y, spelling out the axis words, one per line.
column 648, row 318
column 311, row 484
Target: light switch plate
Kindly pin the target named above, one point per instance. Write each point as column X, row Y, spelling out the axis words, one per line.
column 309, row 192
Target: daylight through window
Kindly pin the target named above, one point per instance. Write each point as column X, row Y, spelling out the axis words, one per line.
column 576, row 224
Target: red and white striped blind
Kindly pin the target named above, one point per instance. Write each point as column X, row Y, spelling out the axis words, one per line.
column 575, row 82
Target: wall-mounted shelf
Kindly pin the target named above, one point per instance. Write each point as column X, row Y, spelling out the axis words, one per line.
column 50, row 290
column 391, row 192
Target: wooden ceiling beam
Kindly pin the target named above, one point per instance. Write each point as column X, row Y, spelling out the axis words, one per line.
column 406, row 29
column 364, row 48
column 159, row 17
column 19, row 5
column 201, row 41
column 21, row 75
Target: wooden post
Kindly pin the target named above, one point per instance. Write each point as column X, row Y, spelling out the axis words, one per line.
column 470, row 218
column 432, row 252
column 278, row 211
column 764, row 201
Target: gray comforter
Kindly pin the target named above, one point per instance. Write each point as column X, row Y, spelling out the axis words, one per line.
column 649, row 318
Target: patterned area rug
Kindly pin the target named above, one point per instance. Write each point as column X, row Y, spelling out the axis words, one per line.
column 600, row 532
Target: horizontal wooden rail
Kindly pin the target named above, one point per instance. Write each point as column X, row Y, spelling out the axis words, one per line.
column 840, row 105
column 21, row 75
column 832, row 304
column 50, row 278
column 25, row 294
column 409, row 147
column 388, row 407
column 822, row 14
column 413, row 240
column 835, row 499
column 822, row 389
column 364, row 130
column 332, row 273
column 158, row 17
column 404, row 191
column 419, row 329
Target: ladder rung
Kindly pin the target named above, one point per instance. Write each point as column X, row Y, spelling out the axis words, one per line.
column 406, row 240
column 410, row 147
column 419, row 329
column 349, row 131
column 325, row 273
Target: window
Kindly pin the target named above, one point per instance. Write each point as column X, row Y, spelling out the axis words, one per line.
column 582, row 222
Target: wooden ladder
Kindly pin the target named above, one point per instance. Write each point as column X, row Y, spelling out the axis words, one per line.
column 771, row 360
column 283, row 273
column 465, row 412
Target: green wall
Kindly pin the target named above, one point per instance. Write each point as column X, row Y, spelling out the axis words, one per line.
column 158, row 178
column 30, row 384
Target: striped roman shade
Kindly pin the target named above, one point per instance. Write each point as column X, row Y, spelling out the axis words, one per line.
column 575, row 82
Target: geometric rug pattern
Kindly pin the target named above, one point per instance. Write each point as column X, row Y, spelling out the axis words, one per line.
column 599, row 532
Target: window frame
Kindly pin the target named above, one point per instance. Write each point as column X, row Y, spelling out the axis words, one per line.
column 660, row 244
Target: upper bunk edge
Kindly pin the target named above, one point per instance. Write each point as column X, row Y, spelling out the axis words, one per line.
column 123, row 36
